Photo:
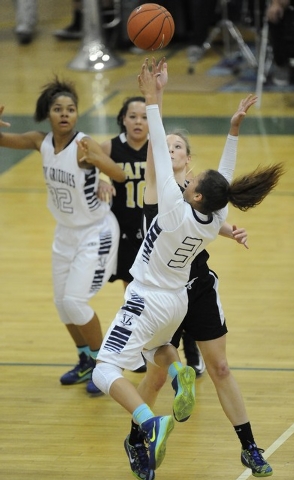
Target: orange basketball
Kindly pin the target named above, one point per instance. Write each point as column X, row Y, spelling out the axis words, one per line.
column 150, row 27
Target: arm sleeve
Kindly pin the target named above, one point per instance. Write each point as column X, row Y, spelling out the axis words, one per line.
column 162, row 161
column 170, row 198
column 228, row 160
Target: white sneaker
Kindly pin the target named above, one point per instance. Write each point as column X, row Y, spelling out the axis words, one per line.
column 194, row 53
column 281, row 76
column 199, row 367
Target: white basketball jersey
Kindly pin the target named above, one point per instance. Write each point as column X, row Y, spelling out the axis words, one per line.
column 165, row 257
column 72, row 198
column 179, row 232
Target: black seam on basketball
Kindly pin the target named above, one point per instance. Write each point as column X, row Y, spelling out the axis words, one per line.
column 150, row 21
column 159, row 47
column 160, row 12
column 171, row 24
column 165, row 18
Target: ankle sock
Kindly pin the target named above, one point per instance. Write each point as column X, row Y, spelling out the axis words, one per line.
column 174, row 368
column 93, row 353
column 142, row 413
column 245, row 434
column 84, row 349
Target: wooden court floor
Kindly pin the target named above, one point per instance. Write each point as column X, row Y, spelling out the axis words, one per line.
column 50, row 432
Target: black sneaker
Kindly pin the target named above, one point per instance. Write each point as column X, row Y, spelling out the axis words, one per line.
column 193, row 355
column 81, row 372
column 72, row 32
column 139, row 460
column 24, row 36
column 252, row 458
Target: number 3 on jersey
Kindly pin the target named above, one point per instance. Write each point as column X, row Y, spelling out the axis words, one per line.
column 184, row 253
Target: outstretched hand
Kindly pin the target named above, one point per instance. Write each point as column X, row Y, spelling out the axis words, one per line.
column 148, row 82
column 2, row 123
column 160, row 71
column 152, row 80
column 243, row 107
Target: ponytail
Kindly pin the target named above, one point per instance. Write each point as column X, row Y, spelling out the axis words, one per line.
column 250, row 190
column 243, row 193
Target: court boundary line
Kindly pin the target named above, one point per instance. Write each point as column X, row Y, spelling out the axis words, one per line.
column 270, row 450
column 28, row 364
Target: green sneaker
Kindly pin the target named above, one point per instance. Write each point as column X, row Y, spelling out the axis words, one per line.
column 252, row 458
column 157, row 430
column 139, row 460
column 184, row 386
column 81, row 372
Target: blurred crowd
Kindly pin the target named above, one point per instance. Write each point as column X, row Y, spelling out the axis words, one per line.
column 194, row 21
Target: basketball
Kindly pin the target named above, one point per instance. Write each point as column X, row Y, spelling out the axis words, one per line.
column 150, row 27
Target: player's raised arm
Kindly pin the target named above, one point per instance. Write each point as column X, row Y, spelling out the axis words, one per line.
column 150, row 193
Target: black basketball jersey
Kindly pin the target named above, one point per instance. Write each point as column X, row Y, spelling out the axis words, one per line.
column 128, row 203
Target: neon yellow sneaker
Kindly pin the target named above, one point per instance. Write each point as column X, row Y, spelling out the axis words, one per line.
column 157, row 430
column 184, row 386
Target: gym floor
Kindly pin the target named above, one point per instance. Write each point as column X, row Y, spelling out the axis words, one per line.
column 54, row 432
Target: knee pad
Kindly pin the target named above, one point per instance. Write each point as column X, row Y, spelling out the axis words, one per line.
column 104, row 374
column 77, row 310
column 61, row 312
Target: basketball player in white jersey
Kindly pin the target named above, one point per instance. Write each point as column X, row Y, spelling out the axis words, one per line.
column 86, row 237
column 156, row 300
column 129, row 150
column 205, row 322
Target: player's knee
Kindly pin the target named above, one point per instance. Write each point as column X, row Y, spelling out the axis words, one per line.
column 104, row 374
column 61, row 311
column 77, row 310
column 219, row 370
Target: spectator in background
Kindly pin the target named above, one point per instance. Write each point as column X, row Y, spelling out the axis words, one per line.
column 74, row 31
column 280, row 16
column 200, row 16
column 25, row 20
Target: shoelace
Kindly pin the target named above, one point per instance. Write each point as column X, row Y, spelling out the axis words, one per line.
column 79, row 366
column 141, row 456
column 256, row 455
column 82, row 364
